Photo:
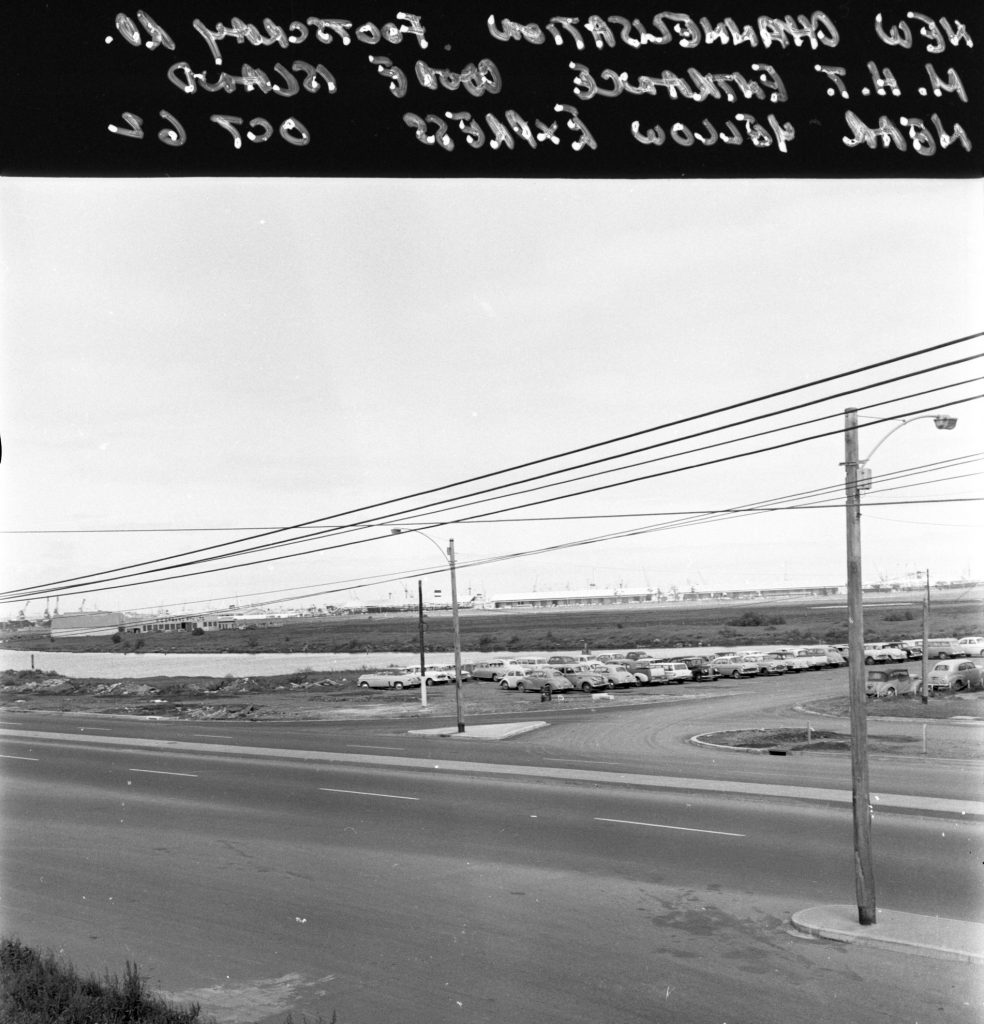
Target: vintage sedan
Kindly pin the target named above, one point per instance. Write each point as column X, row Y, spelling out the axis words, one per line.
column 582, row 678
column 889, row 682
column 956, row 674
column 794, row 662
column 770, row 665
column 972, row 646
column 389, row 679
column 537, row 678
column 875, row 654
column 733, row 666
column 510, row 678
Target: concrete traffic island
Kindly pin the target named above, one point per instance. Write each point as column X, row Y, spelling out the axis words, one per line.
column 493, row 731
column 938, row 937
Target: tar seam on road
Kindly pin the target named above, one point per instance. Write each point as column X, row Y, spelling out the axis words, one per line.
column 675, row 828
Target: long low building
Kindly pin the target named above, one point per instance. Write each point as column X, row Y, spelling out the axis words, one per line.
column 597, row 596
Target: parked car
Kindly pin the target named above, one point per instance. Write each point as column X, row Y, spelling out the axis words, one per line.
column 635, row 655
column 537, row 678
column 835, row 659
column 699, row 665
column 510, row 678
column 770, row 665
column 490, row 670
column 528, row 661
column 911, row 648
column 795, row 662
column 674, row 671
column 889, row 682
column 956, row 674
column 973, row 646
column 882, row 654
column 732, row 666
column 561, row 659
column 644, row 672
column 389, row 679
column 583, row 679
column 944, row 647
column 816, row 656
column 615, row 675
column 433, row 675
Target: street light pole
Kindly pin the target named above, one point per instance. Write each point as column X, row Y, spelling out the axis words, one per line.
column 859, row 478
column 864, row 882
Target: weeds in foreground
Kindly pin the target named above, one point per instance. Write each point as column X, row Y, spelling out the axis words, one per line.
column 37, row 988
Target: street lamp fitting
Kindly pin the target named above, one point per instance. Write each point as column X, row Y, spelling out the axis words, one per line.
column 945, row 422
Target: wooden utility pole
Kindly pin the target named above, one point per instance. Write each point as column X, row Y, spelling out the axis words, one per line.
column 864, row 881
column 420, row 630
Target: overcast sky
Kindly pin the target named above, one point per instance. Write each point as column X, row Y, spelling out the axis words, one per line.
column 192, row 355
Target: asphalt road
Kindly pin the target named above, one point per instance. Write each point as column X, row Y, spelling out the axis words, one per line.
column 262, row 884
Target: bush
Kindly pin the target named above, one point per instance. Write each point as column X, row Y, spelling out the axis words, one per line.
column 756, row 619
column 899, row 615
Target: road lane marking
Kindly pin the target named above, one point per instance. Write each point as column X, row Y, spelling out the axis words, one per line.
column 214, row 735
column 367, row 746
column 150, row 771
column 675, row 828
column 16, row 757
column 359, row 792
column 94, row 728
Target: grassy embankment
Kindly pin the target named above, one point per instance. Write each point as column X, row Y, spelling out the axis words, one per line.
column 39, row 988
column 677, row 625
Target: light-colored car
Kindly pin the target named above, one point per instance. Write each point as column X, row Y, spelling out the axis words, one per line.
column 674, row 671
column 795, row 662
column 510, row 678
column 956, row 674
column 882, row 654
column 770, row 665
column 529, row 661
column 615, row 675
column 972, row 646
column 556, row 660
column 389, row 679
column 888, row 681
column 536, row 678
column 581, row 678
column 492, row 670
column 733, row 666
column 645, row 673
column 911, row 648
column 434, row 675
column 815, row 656
column 944, row 647
column 835, row 659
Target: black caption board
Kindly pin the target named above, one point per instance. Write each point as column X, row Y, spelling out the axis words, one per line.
column 310, row 88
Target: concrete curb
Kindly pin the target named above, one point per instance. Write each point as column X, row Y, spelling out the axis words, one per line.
column 937, row 937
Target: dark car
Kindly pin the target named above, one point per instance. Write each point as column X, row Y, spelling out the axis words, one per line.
column 699, row 665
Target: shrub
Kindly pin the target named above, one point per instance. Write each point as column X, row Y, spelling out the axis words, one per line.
column 899, row 615
column 756, row 619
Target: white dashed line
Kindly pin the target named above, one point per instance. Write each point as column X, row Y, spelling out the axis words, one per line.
column 150, row 771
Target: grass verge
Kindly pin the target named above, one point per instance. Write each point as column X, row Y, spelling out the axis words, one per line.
column 38, row 988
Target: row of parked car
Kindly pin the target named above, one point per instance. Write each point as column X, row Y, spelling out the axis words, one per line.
column 589, row 672
column 936, row 648
column 950, row 674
